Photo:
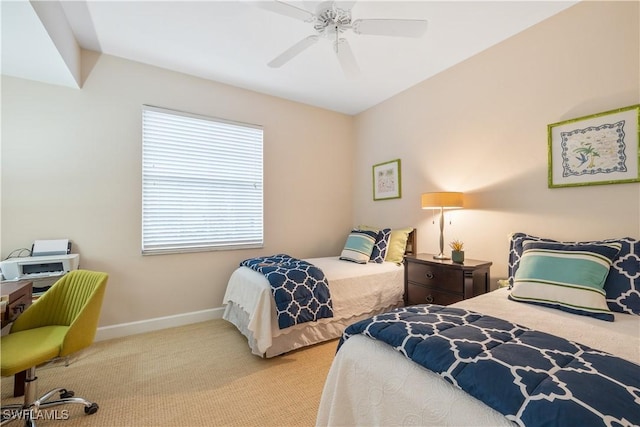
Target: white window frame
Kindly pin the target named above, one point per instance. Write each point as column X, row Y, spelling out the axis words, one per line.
column 202, row 183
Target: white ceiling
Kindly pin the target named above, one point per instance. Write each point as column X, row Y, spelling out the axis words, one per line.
column 232, row 41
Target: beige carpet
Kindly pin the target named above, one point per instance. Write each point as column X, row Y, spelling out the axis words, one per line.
column 196, row 375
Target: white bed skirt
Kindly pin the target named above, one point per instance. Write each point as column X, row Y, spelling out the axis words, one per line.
column 297, row 336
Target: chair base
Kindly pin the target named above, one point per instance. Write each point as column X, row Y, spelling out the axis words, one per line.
column 30, row 410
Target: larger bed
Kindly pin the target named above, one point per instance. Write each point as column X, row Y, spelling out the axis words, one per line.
column 358, row 291
column 371, row 383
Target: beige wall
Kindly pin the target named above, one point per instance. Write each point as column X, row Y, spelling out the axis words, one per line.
column 480, row 127
column 71, row 168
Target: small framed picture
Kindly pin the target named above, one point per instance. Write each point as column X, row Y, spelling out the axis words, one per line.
column 597, row 149
column 386, row 180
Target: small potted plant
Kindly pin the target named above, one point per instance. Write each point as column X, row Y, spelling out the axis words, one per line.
column 457, row 253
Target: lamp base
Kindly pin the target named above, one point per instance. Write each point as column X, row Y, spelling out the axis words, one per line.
column 441, row 256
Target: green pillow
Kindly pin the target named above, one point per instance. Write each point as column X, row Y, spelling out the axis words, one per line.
column 368, row 228
column 397, row 244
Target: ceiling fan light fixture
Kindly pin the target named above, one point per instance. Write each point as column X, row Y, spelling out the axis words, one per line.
column 331, row 20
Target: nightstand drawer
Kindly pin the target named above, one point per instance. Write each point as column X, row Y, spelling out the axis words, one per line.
column 423, row 295
column 435, row 276
column 443, row 282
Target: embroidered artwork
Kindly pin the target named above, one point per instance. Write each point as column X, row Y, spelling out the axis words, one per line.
column 598, row 149
column 594, row 150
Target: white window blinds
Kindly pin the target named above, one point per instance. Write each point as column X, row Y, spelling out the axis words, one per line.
column 201, row 183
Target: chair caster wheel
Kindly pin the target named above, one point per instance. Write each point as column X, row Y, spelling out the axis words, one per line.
column 91, row 409
column 65, row 394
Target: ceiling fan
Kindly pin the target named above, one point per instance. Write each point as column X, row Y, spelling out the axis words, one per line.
column 331, row 20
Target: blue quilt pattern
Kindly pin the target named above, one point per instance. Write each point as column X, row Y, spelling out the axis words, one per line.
column 533, row 378
column 299, row 289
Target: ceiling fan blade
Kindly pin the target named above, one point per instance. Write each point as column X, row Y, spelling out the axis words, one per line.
column 285, row 9
column 294, row 50
column 346, row 59
column 390, row 27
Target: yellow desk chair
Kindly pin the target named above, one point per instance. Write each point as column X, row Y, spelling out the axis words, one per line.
column 62, row 321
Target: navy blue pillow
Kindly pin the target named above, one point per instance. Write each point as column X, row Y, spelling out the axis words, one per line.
column 380, row 248
column 623, row 283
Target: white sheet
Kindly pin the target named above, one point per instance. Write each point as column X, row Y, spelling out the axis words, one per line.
column 356, row 289
column 371, row 384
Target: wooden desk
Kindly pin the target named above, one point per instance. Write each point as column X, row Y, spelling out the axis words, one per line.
column 18, row 299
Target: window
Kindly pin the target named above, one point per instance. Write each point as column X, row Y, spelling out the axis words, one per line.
column 201, row 183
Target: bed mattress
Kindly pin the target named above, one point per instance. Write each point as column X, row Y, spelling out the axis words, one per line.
column 371, row 384
column 357, row 291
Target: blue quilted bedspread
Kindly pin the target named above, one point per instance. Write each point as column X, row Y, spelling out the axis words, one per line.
column 300, row 290
column 533, row 378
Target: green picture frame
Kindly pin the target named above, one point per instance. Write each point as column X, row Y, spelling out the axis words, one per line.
column 387, row 180
column 599, row 149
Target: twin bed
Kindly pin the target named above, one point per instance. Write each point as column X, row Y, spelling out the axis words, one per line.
column 374, row 383
column 357, row 290
column 370, row 383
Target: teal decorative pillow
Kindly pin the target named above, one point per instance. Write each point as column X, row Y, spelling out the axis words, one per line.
column 567, row 277
column 380, row 248
column 623, row 282
column 359, row 246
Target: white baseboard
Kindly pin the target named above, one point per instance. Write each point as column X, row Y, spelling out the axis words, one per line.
column 125, row 329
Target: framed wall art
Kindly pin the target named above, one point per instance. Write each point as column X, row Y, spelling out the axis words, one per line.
column 387, row 180
column 598, row 149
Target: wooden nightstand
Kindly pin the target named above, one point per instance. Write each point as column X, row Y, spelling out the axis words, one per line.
column 432, row 281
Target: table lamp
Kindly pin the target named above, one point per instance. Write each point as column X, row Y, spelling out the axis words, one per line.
column 442, row 200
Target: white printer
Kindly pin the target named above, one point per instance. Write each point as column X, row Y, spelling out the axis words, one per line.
column 49, row 258
column 38, row 266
